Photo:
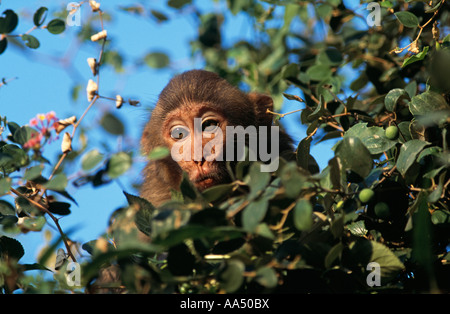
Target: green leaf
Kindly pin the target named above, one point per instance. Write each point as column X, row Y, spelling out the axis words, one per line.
column 159, row 152
column 293, row 180
column 157, row 60
column 333, row 254
column 59, row 208
column 337, row 226
column 254, row 213
column 33, row 223
column 33, row 172
column 6, row 209
column 232, row 277
column 417, row 57
column 39, row 16
column 11, row 248
column 5, row 185
column 440, row 217
column 8, row 21
column 118, row 164
column 427, row 102
column 302, row 153
column 217, row 192
column 303, row 215
column 267, row 277
column 13, row 127
column 7, row 214
column 31, row 41
column 363, row 251
column 23, row 134
column 160, row 16
column 12, row 157
column 358, row 228
column 354, row 156
column 56, row 26
column 144, row 214
column 57, row 183
column 408, row 153
column 373, row 138
column 319, row 72
column 422, row 245
column 257, row 180
column 112, row 124
column 392, row 98
column 178, row 4
column 187, row 188
column 91, row 159
column 411, row 89
column 408, row 19
column 3, row 45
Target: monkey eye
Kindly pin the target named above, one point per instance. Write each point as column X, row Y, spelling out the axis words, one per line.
column 210, row 125
column 179, row 132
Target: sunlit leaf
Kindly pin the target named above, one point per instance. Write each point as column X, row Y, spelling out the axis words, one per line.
column 417, row 57
column 408, row 153
column 57, row 183
column 408, row 19
column 303, row 215
column 118, row 164
column 91, row 159
column 157, row 60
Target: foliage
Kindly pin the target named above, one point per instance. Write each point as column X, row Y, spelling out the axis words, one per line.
column 288, row 231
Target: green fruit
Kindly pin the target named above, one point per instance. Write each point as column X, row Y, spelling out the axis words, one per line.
column 381, row 210
column 366, row 195
column 392, row 132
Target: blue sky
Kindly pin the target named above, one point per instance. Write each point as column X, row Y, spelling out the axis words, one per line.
column 42, row 85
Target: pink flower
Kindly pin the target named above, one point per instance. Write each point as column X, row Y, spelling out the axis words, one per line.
column 51, row 116
column 45, row 124
column 34, row 142
column 34, row 122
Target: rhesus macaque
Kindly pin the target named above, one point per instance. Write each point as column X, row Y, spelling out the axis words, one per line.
column 216, row 104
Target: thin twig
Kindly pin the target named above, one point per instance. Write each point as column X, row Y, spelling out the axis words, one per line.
column 55, row 220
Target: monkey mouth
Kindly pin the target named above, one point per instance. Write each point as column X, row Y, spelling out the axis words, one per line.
column 203, row 182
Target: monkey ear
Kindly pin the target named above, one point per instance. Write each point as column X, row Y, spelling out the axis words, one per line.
column 262, row 103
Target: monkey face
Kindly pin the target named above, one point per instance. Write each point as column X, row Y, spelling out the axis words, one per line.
column 195, row 134
column 192, row 117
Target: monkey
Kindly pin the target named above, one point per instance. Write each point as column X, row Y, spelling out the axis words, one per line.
column 203, row 95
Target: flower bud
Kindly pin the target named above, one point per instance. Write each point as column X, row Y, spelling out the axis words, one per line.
column 92, row 62
column 99, row 35
column 91, row 90
column 62, row 124
column 119, row 101
column 94, row 5
column 66, row 145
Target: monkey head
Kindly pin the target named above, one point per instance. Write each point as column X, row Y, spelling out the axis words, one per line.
column 193, row 111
